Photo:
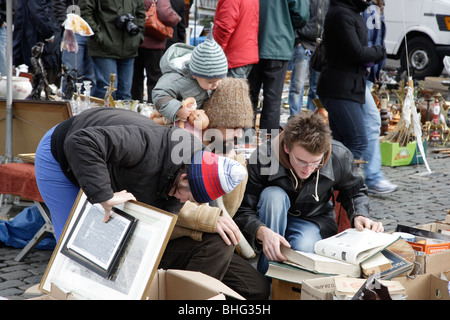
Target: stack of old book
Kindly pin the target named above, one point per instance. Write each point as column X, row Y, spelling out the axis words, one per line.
column 350, row 253
column 362, row 289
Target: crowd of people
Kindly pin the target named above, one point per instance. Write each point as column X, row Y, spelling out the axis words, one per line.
column 281, row 195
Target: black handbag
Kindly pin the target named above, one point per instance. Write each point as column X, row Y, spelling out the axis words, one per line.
column 317, row 60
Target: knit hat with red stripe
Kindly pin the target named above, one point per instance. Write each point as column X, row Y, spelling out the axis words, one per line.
column 211, row 176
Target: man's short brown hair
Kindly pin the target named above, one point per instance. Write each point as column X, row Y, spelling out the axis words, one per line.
column 309, row 131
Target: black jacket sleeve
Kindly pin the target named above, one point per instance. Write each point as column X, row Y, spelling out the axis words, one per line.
column 91, row 153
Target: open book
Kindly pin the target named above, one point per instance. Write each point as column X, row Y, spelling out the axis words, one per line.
column 354, row 246
column 342, row 253
column 315, row 263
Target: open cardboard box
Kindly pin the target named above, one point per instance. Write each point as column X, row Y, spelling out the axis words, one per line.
column 435, row 237
column 318, row 289
column 447, row 217
column 169, row 285
column 435, row 263
column 188, row 285
column 422, row 287
column 325, row 288
column 425, row 287
column 432, row 260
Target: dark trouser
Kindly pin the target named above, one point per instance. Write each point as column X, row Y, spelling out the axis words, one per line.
column 270, row 74
column 213, row 257
column 347, row 124
column 148, row 60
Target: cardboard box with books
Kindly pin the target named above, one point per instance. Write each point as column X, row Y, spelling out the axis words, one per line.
column 285, row 290
column 341, row 254
column 431, row 258
column 345, row 288
column 427, row 239
column 368, row 289
column 318, row 289
column 352, row 253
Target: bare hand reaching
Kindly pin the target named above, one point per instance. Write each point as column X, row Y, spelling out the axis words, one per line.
column 228, row 230
column 118, row 198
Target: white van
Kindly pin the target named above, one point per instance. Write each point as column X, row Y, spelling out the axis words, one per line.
column 426, row 26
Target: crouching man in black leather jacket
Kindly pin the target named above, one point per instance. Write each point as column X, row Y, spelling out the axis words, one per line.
column 290, row 186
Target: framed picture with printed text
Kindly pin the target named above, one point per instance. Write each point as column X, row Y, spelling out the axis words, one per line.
column 108, row 260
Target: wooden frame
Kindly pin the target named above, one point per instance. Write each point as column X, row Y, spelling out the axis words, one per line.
column 136, row 266
column 31, row 120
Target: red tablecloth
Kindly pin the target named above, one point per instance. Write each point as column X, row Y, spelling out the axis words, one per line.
column 19, row 179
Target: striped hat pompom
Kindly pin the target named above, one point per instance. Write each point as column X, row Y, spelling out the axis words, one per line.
column 211, row 176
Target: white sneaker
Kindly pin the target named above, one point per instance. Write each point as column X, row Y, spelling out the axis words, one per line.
column 382, row 187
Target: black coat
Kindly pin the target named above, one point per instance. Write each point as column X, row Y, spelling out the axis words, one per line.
column 106, row 150
column 346, row 52
column 338, row 173
column 35, row 22
column 2, row 11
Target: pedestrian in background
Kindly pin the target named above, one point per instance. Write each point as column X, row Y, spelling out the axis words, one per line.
column 342, row 81
column 374, row 177
column 275, row 42
column 236, row 31
column 78, row 59
column 306, row 41
column 118, row 32
column 179, row 31
column 150, row 53
column 35, row 22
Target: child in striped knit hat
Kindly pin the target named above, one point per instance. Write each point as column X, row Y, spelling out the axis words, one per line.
column 188, row 72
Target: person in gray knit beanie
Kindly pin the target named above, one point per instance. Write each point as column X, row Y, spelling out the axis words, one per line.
column 208, row 61
column 188, row 72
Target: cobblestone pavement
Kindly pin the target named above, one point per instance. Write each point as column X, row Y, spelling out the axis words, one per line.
column 17, row 277
column 421, row 197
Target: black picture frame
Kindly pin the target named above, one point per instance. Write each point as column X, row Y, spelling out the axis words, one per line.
column 102, row 258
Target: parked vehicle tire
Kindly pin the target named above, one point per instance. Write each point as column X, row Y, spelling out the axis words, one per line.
column 423, row 58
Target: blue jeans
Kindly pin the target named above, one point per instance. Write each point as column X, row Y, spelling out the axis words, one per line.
column 372, row 154
column 80, row 61
column 57, row 191
column 240, row 72
column 300, row 65
column 347, row 124
column 122, row 68
column 313, row 79
column 3, row 51
column 273, row 206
